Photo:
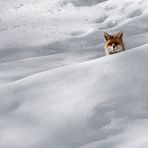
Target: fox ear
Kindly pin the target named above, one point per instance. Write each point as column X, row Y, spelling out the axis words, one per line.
column 106, row 36
column 119, row 35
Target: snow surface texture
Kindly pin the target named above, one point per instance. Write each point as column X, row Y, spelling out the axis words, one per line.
column 57, row 89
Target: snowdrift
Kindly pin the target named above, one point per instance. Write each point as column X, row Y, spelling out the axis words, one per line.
column 100, row 103
column 57, row 89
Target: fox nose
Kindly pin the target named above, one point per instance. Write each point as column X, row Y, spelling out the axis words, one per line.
column 114, row 46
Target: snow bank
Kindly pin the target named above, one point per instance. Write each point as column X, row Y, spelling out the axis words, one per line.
column 56, row 89
column 101, row 103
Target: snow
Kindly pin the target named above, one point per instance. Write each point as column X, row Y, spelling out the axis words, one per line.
column 57, row 89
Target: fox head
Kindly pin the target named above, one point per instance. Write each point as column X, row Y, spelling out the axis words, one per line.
column 113, row 43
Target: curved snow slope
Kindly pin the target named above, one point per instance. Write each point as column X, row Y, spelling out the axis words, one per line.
column 40, row 35
column 44, row 103
column 18, row 63
column 27, row 26
column 101, row 103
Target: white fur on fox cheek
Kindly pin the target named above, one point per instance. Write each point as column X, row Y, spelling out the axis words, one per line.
column 120, row 48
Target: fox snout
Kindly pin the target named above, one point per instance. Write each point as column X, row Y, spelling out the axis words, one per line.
column 114, row 46
column 113, row 43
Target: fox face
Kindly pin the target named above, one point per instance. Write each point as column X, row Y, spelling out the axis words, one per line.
column 113, row 43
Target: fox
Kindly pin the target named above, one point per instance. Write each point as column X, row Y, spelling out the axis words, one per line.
column 113, row 43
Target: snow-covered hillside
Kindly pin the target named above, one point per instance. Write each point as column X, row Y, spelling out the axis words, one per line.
column 57, row 89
